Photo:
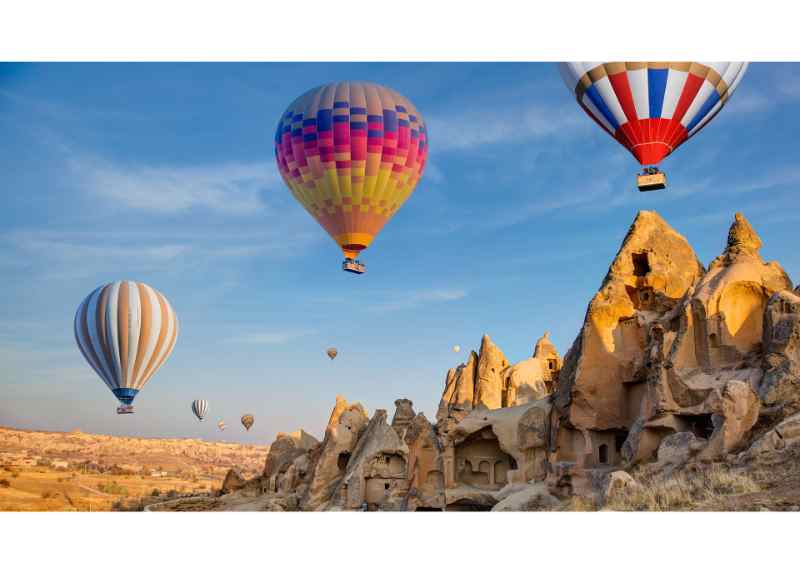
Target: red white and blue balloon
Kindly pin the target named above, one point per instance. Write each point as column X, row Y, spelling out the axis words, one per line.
column 651, row 108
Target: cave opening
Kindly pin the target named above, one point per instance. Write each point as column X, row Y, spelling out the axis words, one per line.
column 343, row 460
column 619, row 440
column 701, row 425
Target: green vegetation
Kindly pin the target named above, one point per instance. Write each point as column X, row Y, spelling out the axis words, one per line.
column 112, row 488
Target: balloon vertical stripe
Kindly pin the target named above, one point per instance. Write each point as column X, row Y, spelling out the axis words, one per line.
column 125, row 331
column 651, row 108
column 200, row 408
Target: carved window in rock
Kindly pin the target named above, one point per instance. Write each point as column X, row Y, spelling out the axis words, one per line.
column 602, row 454
column 713, row 340
column 641, row 264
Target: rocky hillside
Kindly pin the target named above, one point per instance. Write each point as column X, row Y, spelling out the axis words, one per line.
column 682, row 379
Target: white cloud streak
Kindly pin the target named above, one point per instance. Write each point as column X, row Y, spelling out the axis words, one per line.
column 270, row 338
column 414, row 299
column 475, row 128
column 232, row 188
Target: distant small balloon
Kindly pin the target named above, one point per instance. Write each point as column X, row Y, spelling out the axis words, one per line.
column 331, row 352
column 221, row 425
column 247, row 421
column 456, row 348
column 200, row 408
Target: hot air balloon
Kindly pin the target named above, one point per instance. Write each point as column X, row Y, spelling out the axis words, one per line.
column 456, row 348
column 200, row 407
column 125, row 330
column 221, row 425
column 351, row 153
column 331, row 352
column 651, row 108
column 247, row 421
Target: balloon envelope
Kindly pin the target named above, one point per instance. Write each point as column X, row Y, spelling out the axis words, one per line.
column 200, row 408
column 332, row 353
column 652, row 107
column 125, row 330
column 351, row 153
column 456, row 348
column 247, row 421
column 221, row 425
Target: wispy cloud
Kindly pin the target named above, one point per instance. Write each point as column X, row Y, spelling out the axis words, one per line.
column 751, row 101
column 233, row 188
column 785, row 176
column 474, row 128
column 74, row 255
column 414, row 299
column 270, row 338
column 780, row 88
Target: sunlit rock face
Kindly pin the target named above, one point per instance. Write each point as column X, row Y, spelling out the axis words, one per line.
column 673, row 365
column 602, row 380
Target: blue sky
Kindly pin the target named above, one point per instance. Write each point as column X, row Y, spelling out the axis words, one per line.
column 164, row 173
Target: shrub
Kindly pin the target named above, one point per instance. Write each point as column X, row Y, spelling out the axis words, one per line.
column 5, row 483
column 683, row 490
column 156, row 492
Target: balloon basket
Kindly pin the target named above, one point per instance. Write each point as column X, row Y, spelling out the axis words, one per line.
column 651, row 180
column 353, row 266
column 125, row 409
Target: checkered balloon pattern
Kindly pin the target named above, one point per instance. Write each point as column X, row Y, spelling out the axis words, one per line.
column 351, row 153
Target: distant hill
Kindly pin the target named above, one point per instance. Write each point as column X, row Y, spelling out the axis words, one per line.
column 176, row 456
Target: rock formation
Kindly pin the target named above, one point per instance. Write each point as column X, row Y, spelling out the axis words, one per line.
column 425, row 467
column 673, row 365
column 533, row 378
column 233, row 481
column 403, row 415
column 330, row 460
column 489, row 376
column 287, row 461
column 780, row 387
column 376, row 475
column 487, row 381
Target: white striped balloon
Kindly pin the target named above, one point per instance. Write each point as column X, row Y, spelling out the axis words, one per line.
column 200, row 408
column 125, row 330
